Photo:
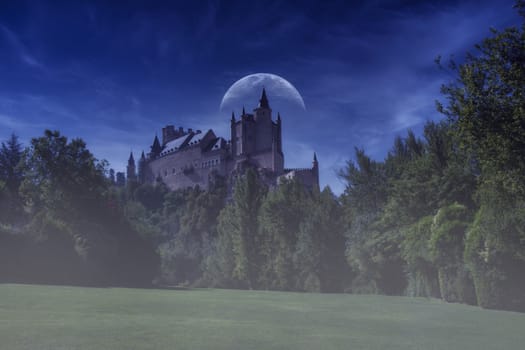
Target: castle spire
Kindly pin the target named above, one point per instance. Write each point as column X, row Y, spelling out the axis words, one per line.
column 263, row 102
column 233, row 117
column 243, row 111
column 156, row 148
column 315, row 170
column 141, row 171
column 130, row 169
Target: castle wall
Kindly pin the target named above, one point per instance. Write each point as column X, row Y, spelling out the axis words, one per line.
column 263, row 159
column 278, row 162
column 188, row 167
column 307, row 177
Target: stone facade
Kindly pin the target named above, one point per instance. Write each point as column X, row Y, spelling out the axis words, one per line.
column 188, row 158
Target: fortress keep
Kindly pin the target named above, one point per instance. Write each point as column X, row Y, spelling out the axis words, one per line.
column 187, row 158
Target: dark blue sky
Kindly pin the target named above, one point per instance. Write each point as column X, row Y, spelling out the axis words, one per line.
column 114, row 74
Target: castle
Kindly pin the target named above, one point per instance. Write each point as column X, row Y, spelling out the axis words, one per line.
column 187, row 158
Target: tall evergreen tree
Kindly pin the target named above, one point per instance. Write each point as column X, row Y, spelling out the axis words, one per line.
column 282, row 213
column 11, row 176
column 320, row 249
column 10, row 156
column 239, row 224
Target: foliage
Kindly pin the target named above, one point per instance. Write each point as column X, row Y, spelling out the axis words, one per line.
column 486, row 106
column 151, row 196
column 446, row 247
column 11, row 176
column 495, row 249
column 185, row 254
column 74, row 233
column 320, row 249
column 239, row 226
column 442, row 215
column 421, row 272
column 282, row 214
column 10, row 157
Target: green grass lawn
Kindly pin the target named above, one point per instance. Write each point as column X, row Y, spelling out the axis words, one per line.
column 49, row 317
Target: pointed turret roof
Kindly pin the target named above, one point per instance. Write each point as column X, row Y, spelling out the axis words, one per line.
column 156, row 140
column 263, row 102
column 315, row 163
column 156, row 148
column 142, row 156
column 131, row 159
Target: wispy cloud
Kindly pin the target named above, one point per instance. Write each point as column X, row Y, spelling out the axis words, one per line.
column 365, row 69
column 20, row 49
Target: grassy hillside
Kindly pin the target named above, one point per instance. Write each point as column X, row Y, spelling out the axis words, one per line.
column 48, row 317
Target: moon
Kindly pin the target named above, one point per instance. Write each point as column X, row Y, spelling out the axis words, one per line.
column 275, row 86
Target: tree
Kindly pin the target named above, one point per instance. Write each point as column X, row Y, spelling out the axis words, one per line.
column 320, row 249
column 151, row 196
column 61, row 175
column 447, row 244
column 365, row 184
column 282, row 213
column 239, row 224
column 186, row 253
column 486, row 106
column 421, row 272
column 11, row 176
column 372, row 242
column 495, row 248
column 10, row 156
column 79, row 236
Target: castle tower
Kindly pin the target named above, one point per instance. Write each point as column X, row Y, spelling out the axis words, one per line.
column 258, row 138
column 264, row 133
column 233, row 140
column 278, row 140
column 263, row 112
column 141, row 176
column 315, row 170
column 131, row 171
column 243, row 135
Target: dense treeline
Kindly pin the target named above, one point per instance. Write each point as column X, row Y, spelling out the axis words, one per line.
column 443, row 215
column 59, row 222
column 285, row 238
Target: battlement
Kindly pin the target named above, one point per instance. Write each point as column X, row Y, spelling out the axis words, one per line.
column 169, row 133
column 287, row 170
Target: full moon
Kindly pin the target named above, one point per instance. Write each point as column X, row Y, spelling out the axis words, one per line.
column 276, row 87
